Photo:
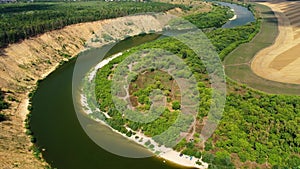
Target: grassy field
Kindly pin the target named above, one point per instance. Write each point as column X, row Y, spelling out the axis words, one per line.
column 237, row 63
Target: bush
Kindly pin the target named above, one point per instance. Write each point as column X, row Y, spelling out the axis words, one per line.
column 176, row 105
column 208, row 145
column 148, row 143
column 208, row 158
column 3, row 105
column 2, row 117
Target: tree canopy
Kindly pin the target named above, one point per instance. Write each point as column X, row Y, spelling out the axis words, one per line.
column 23, row 20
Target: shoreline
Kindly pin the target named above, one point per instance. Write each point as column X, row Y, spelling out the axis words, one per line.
column 160, row 151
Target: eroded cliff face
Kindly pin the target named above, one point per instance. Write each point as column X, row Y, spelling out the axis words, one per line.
column 22, row 64
column 25, row 62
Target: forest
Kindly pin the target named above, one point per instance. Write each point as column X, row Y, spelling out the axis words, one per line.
column 256, row 127
column 216, row 18
column 23, row 20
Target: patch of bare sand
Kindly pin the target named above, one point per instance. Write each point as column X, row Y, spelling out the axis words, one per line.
column 281, row 61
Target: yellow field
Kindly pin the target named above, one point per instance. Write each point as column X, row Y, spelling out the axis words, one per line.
column 281, row 61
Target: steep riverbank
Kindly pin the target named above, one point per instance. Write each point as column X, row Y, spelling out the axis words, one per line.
column 41, row 55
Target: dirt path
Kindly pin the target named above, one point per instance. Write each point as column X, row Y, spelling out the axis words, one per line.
column 281, row 61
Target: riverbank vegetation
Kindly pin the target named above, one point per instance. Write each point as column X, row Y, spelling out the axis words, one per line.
column 257, row 129
column 215, row 18
column 226, row 40
column 23, row 20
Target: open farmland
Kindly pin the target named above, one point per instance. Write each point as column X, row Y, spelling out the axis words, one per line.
column 238, row 63
column 280, row 62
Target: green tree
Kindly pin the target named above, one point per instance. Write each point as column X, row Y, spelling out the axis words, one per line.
column 176, row 105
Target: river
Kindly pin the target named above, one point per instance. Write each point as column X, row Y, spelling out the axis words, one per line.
column 57, row 129
column 243, row 15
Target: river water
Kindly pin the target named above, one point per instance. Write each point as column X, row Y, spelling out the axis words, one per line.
column 58, row 131
column 243, row 15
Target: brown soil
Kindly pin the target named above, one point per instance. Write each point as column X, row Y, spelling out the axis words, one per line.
column 148, row 78
column 281, row 61
column 248, row 164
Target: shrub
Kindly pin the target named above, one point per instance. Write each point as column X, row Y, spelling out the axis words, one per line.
column 176, row 105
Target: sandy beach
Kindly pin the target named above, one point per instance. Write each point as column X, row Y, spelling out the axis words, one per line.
column 185, row 160
column 234, row 16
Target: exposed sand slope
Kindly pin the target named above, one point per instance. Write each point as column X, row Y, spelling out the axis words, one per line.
column 22, row 64
column 281, row 61
column 31, row 59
